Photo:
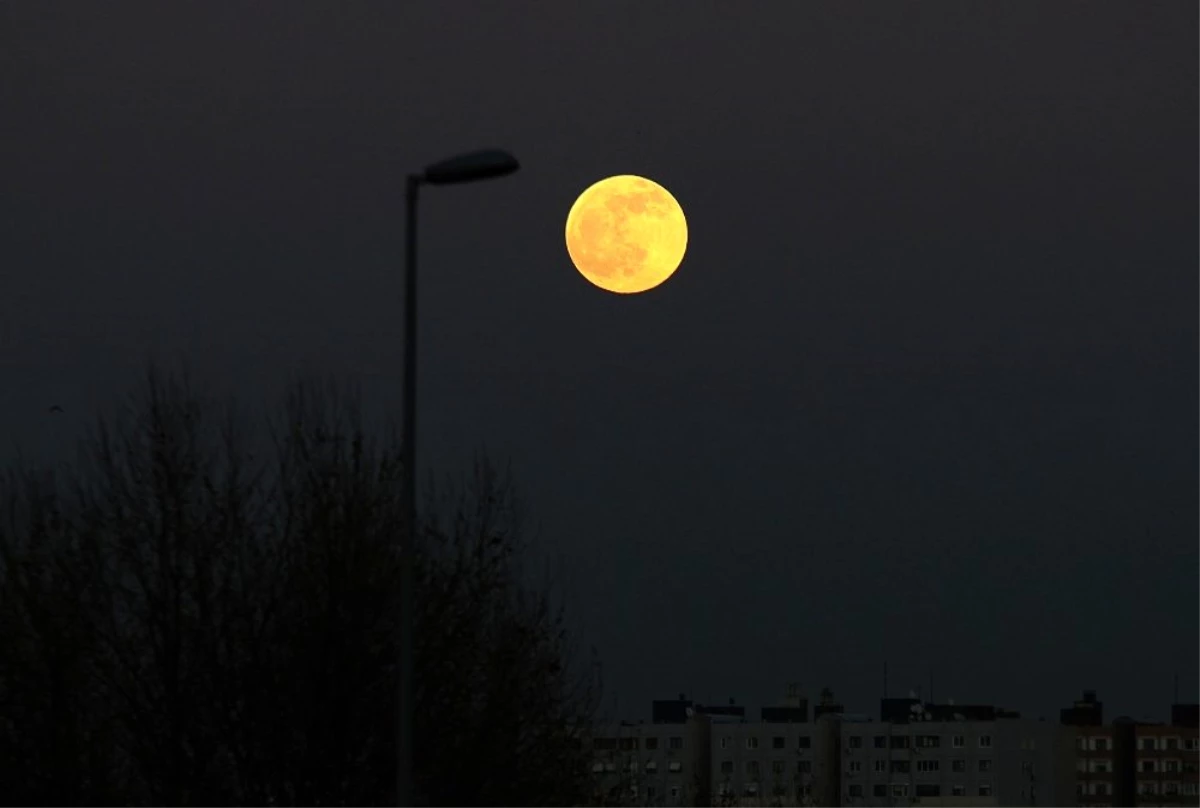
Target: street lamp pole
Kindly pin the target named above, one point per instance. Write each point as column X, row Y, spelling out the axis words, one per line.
column 464, row 168
column 409, row 458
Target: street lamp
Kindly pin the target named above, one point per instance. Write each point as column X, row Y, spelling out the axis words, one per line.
column 470, row 167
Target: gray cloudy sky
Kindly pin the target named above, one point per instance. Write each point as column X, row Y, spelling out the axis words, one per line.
column 924, row 389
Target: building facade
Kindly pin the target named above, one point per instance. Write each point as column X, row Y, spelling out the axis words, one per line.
column 934, row 759
column 663, row 763
column 916, row 754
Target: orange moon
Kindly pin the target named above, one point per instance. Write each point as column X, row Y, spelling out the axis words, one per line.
column 626, row 234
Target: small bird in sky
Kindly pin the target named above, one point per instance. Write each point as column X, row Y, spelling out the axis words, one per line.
column 55, row 408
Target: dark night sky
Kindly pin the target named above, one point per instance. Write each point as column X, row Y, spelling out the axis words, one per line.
column 924, row 389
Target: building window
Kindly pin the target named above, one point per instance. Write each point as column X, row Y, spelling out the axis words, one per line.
column 651, row 766
column 604, row 743
column 985, row 741
column 779, row 742
column 959, row 741
column 1081, row 743
column 650, row 792
column 958, row 766
column 1102, row 789
column 597, row 767
column 1027, row 767
column 900, row 767
column 1148, row 744
column 675, row 792
column 652, row 743
column 804, row 766
column 610, row 766
column 855, row 767
column 726, row 767
column 804, row 742
column 752, row 742
column 1148, row 766
column 855, row 791
column 776, row 767
column 928, row 790
column 1171, row 766
column 899, row 789
column 1148, row 788
column 1100, row 766
column 985, row 789
column 674, row 766
column 1191, row 744
column 1171, row 744
column 676, row 742
column 628, row 743
column 725, row 742
column 881, row 742
column 929, row 741
column 752, row 767
column 856, row 742
column 899, row 741
column 879, row 790
column 751, row 789
column 1187, row 789
column 1170, row 789
column 880, row 766
column 632, row 766
column 958, row 790
column 1100, row 744
column 985, row 765
column 927, row 766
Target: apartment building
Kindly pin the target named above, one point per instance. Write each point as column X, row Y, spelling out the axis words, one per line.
column 663, row 763
column 966, row 755
column 916, row 753
column 1165, row 761
column 1132, row 763
column 782, row 759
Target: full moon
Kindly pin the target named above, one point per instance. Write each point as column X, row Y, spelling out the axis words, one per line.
column 626, row 234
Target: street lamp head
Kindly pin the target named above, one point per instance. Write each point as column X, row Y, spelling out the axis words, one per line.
column 480, row 165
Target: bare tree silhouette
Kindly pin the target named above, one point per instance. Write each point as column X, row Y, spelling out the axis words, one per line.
column 185, row 623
